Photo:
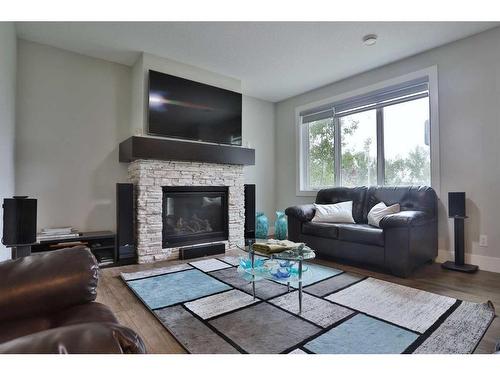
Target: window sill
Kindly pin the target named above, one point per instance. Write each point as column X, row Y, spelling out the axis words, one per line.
column 306, row 193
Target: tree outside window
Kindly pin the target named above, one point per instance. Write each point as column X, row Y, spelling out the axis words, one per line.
column 406, row 147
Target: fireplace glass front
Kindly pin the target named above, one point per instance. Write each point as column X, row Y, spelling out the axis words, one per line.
column 194, row 214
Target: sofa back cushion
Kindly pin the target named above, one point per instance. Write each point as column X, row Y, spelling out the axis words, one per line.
column 342, row 194
column 410, row 198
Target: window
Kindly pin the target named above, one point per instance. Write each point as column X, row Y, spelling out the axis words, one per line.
column 358, row 142
column 382, row 137
column 321, row 155
column 407, row 143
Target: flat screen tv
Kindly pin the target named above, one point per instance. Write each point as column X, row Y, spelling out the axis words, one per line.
column 180, row 108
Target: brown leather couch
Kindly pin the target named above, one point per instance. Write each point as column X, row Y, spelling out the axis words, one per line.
column 47, row 306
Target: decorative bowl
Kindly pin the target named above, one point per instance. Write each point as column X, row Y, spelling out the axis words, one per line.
column 246, row 263
column 295, row 269
column 281, row 273
column 286, row 263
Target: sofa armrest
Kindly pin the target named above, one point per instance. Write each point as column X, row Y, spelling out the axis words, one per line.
column 303, row 212
column 47, row 282
column 405, row 219
column 410, row 239
column 87, row 338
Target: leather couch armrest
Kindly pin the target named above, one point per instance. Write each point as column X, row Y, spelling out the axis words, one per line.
column 303, row 212
column 47, row 282
column 87, row 338
column 405, row 219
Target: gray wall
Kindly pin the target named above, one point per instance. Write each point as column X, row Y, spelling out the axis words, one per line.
column 258, row 133
column 7, row 116
column 73, row 111
column 469, row 113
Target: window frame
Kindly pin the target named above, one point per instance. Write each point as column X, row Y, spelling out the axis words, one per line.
column 302, row 153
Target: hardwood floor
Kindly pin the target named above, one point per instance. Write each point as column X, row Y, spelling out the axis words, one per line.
column 479, row 287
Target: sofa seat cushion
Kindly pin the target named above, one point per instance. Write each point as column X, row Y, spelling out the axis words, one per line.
column 361, row 233
column 326, row 230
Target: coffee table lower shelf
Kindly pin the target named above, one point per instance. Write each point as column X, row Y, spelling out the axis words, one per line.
column 256, row 276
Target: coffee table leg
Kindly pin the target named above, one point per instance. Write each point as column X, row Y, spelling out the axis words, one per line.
column 300, row 287
column 253, row 274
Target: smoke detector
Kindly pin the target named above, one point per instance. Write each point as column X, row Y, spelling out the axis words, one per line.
column 370, row 39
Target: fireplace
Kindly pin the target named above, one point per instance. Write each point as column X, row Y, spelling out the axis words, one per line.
column 194, row 214
column 156, row 179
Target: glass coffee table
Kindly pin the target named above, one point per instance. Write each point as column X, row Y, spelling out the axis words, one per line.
column 285, row 267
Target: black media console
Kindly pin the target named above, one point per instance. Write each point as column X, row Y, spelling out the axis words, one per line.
column 102, row 244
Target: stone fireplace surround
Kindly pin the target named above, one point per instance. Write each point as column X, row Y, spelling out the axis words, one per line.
column 149, row 176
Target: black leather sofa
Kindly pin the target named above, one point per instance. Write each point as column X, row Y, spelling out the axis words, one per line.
column 403, row 242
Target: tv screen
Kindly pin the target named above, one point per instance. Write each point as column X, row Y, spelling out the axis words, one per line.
column 181, row 108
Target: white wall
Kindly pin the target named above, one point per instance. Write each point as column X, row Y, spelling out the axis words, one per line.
column 469, row 114
column 259, row 133
column 72, row 112
column 7, row 116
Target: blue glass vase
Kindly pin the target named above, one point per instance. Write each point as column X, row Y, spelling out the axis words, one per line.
column 261, row 225
column 280, row 226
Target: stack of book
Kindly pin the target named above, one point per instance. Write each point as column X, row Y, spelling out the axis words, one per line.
column 276, row 246
column 57, row 234
column 104, row 258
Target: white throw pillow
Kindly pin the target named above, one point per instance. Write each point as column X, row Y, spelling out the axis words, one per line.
column 334, row 213
column 379, row 211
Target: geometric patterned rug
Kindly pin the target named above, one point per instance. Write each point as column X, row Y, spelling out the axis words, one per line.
column 208, row 307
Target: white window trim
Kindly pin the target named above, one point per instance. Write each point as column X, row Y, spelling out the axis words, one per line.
column 431, row 73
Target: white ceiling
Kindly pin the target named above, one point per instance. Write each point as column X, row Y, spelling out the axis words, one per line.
column 274, row 60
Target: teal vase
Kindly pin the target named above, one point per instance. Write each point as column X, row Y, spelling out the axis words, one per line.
column 261, row 225
column 280, row 226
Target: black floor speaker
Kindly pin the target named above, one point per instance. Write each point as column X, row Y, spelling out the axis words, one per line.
column 125, row 238
column 19, row 224
column 249, row 212
column 19, row 221
column 456, row 210
column 456, row 204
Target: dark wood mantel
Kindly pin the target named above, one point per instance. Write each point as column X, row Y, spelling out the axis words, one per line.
column 135, row 148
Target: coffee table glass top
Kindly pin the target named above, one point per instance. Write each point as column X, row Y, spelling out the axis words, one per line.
column 304, row 253
column 286, row 266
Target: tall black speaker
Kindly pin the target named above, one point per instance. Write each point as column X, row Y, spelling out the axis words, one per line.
column 125, row 239
column 19, row 224
column 249, row 212
column 456, row 210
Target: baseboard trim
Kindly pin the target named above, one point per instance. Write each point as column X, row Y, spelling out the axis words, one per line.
column 485, row 263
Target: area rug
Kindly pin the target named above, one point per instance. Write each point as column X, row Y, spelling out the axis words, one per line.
column 207, row 305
